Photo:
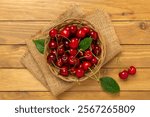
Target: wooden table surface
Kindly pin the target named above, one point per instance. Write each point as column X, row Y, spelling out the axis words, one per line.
column 19, row 19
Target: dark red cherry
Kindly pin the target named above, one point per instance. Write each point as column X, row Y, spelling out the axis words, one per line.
column 72, row 60
column 80, row 33
column 132, row 70
column 77, row 62
column 79, row 72
column 94, row 35
column 60, row 50
column 73, row 29
column 53, row 52
column 74, row 43
column 80, row 54
column 94, row 60
column 53, row 33
column 86, row 29
column 67, row 28
column 73, row 52
column 72, row 70
column 52, row 44
column 88, row 55
column 65, row 58
column 51, row 58
column 59, row 62
column 65, row 33
column 123, row 75
column 92, row 46
column 81, row 66
column 64, row 71
column 66, row 44
column 86, row 65
column 97, row 50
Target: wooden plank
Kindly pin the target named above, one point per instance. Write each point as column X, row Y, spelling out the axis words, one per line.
column 135, row 95
column 22, row 80
column 48, row 9
column 138, row 55
column 136, row 32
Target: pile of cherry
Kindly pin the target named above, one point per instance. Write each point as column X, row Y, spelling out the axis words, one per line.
column 64, row 50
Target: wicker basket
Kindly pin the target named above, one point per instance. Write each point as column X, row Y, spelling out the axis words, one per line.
column 71, row 78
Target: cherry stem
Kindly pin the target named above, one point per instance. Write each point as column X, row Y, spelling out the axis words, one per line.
column 95, row 56
column 55, row 65
column 93, row 74
column 78, row 52
column 65, row 37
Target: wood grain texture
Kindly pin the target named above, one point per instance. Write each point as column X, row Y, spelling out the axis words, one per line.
column 135, row 32
column 138, row 55
column 50, row 9
column 22, row 80
column 134, row 95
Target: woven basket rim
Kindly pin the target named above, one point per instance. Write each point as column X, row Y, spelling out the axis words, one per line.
column 71, row 78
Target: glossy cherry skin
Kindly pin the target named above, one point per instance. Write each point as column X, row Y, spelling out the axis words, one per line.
column 80, row 66
column 132, row 70
column 65, row 58
column 72, row 70
column 64, row 71
column 72, row 60
column 80, row 33
column 65, row 33
column 73, row 29
column 53, row 33
column 53, row 52
column 73, row 52
column 123, row 75
column 59, row 62
column 80, row 54
column 66, row 44
column 94, row 35
column 80, row 72
column 52, row 44
column 60, row 50
column 51, row 58
column 88, row 55
column 97, row 50
column 86, row 29
column 86, row 65
column 67, row 28
column 94, row 60
column 74, row 42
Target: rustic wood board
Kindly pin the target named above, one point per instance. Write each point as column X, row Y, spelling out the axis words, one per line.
column 20, row 19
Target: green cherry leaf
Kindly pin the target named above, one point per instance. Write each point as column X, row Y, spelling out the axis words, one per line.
column 40, row 45
column 85, row 43
column 109, row 84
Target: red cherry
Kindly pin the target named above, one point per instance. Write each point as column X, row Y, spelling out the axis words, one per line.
column 52, row 44
column 73, row 29
column 53, row 33
column 67, row 28
column 86, row 29
column 51, row 58
column 72, row 70
column 92, row 46
column 72, row 60
column 88, row 55
column 73, row 52
column 60, row 50
column 94, row 60
column 66, row 44
column 74, row 43
column 97, row 50
column 59, row 62
column 65, row 33
column 77, row 62
column 80, row 66
column 132, row 70
column 80, row 33
column 53, row 52
column 65, row 58
column 79, row 72
column 94, row 35
column 123, row 75
column 64, row 71
column 80, row 54
column 86, row 65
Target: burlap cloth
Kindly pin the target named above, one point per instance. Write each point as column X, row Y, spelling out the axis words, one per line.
column 36, row 63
